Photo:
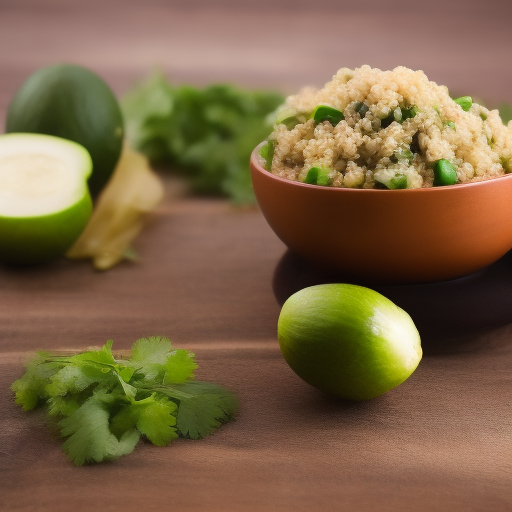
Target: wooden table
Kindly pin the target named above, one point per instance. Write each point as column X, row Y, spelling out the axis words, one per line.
column 212, row 279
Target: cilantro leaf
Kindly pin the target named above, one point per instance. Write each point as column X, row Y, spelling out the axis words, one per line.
column 156, row 420
column 64, row 406
column 91, row 367
column 105, row 404
column 103, row 356
column 179, row 366
column 72, row 379
column 152, row 350
column 156, row 359
column 149, row 355
column 122, row 420
column 206, row 134
column 89, row 438
column 129, row 390
column 203, row 407
column 153, row 416
column 97, row 365
column 31, row 388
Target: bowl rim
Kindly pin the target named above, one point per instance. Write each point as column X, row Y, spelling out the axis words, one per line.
column 256, row 160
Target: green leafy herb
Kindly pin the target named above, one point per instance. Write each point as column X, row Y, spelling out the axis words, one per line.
column 207, row 134
column 88, row 434
column 104, row 404
column 202, row 408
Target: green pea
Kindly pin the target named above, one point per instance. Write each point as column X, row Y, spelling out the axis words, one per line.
column 361, row 108
column 465, row 102
column 398, row 181
column 444, row 173
column 451, row 125
column 318, row 176
column 266, row 152
column 325, row 113
column 288, row 117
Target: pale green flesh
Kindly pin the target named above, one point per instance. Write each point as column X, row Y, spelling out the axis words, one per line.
column 40, row 175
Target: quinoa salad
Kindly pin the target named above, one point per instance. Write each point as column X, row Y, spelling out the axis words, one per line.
column 369, row 128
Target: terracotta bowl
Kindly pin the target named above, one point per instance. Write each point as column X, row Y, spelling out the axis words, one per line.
column 390, row 236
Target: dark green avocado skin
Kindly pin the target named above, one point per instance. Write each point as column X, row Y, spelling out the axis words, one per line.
column 74, row 103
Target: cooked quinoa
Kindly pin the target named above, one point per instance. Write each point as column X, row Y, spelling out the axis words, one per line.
column 386, row 129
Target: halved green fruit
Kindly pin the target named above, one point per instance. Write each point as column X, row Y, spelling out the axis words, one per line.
column 347, row 340
column 44, row 200
column 74, row 103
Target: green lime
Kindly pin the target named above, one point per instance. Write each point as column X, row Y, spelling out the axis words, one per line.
column 348, row 341
column 44, row 200
column 74, row 103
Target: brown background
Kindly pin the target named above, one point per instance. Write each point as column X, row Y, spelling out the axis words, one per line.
column 212, row 279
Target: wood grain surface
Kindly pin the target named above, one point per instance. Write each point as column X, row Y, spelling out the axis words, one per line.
column 212, row 278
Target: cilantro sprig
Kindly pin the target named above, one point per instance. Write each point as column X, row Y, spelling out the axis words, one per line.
column 207, row 134
column 104, row 405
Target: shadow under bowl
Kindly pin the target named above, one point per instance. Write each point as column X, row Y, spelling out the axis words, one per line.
column 389, row 236
column 452, row 316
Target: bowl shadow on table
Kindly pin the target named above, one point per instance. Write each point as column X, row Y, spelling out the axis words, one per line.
column 451, row 316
